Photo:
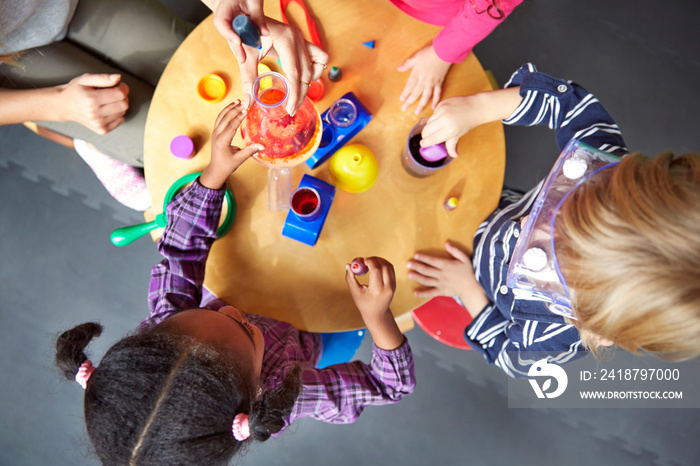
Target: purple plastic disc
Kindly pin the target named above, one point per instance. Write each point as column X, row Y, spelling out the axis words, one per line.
column 433, row 153
column 182, row 147
column 359, row 267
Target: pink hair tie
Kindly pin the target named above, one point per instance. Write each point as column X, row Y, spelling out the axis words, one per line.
column 241, row 428
column 84, row 373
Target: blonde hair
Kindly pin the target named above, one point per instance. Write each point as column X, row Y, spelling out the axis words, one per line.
column 628, row 244
column 11, row 58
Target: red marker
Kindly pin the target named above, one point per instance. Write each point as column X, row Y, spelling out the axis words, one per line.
column 359, row 267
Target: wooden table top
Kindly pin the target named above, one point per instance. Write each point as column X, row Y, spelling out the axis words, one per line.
column 253, row 266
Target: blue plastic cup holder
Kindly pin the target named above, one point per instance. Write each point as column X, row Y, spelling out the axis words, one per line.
column 327, row 135
column 343, row 113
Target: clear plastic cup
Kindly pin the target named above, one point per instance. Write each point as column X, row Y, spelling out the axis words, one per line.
column 343, row 113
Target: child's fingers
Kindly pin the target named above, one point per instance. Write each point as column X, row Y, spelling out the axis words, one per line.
column 439, row 109
column 423, row 280
column 376, row 277
column 437, row 94
column 407, row 65
column 412, row 97
column 353, row 285
column 423, row 269
column 230, row 123
column 451, row 146
column 457, row 253
column 226, row 111
column 406, row 91
column 424, row 99
column 391, row 275
column 249, row 151
column 433, row 133
column 432, row 261
column 387, row 271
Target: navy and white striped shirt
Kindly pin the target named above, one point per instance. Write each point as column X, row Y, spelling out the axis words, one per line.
column 515, row 333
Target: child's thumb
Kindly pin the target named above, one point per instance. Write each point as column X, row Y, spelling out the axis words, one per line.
column 249, row 151
column 99, row 80
column 407, row 65
column 351, row 280
column 455, row 252
column 451, row 146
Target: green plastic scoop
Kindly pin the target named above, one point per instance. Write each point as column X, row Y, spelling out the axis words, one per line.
column 127, row 235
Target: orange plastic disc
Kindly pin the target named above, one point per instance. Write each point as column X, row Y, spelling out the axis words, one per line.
column 211, row 88
column 316, row 90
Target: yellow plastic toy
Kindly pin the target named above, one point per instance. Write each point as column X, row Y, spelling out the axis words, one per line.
column 354, row 168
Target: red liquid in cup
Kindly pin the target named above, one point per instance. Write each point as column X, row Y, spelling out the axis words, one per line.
column 272, row 97
column 304, row 202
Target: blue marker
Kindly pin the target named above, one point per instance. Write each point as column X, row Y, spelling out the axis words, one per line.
column 247, row 31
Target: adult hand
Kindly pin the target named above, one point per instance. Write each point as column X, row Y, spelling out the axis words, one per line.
column 428, row 72
column 301, row 61
column 225, row 158
column 96, row 101
column 453, row 276
column 224, row 13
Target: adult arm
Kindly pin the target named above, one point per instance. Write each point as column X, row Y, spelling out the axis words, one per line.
column 224, row 13
column 96, row 101
column 301, row 61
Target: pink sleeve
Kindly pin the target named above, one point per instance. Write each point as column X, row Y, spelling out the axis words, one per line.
column 468, row 28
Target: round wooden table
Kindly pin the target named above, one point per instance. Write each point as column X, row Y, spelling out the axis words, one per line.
column 253, row 266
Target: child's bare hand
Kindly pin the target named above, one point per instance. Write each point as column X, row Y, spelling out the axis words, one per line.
column 373, row 300
column 225, row 158
column 452, row 118
column 457, row 116
column 428, row 72
column 442, row 276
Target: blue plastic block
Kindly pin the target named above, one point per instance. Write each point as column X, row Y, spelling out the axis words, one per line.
column 339, row 348
column 369, row 44
column 334, row 137
column 247, row 31
column 304, row 231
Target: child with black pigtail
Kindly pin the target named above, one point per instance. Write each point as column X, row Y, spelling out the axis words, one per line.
column 201, row 377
